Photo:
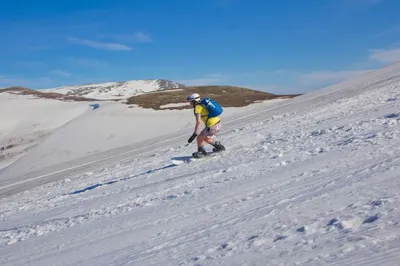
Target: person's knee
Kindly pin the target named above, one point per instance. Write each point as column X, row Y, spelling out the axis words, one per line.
column 210, row 139
column 200, row 139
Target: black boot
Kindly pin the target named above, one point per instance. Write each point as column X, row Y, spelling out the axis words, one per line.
column 200, row 153
column 218, row 147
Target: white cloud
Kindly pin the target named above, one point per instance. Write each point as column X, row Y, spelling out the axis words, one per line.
column 390, row 31
column 100, row 45
column 212, row 79
column 328, row 76
column 135, row 37
column 199, row 81
column 270, row 88
column 7, row 81
column 141, row 37
column 29, row 63
column 385, row 56
column 217, row 76
column 364, row 2
column 60, row 73
column 292, row 81
column 296, row 81
column 316, row 77
column 86, row 61
column 224, row 3
column 374, row 2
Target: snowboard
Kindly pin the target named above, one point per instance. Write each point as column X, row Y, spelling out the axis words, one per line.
column 188, row 159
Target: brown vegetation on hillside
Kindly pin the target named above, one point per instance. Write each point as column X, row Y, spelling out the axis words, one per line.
column 47, row 95
column 227, row 96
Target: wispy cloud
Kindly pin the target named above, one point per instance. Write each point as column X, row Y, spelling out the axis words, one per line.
column 328, row 76
column 390, row 31
column 39, row 48
column 141, row 37
column 199, row 81
column 364, row 2
column 8, row 81
column 135, row 37
column 316, row 77
column 374, row 2
column 295, row 81
column 86, row 61
column 342, row 7
column 385, row 56
column 291, row 81
column 5, row 82
column 217, row 76
column 212, row 79
column 29, row 63
column 319, row 78
column 60, row 73
column 270, row 88
column 224, row 3
column 99, row 45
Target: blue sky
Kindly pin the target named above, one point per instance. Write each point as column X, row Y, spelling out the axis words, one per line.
column 280, row 46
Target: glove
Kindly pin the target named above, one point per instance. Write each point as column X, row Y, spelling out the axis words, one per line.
column 194, row 135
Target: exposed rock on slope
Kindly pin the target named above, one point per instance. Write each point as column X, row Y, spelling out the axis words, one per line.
column 116, row 90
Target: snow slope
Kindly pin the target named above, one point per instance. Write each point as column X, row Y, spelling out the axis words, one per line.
column 26, row 121
column 109, row 127
column 313, row 181
column 116, row 90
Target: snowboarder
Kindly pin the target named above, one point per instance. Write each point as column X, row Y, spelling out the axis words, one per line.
column 212, row 125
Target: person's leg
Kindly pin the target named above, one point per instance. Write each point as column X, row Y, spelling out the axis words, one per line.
column 216, row 144
column 208, row 136
column 201, row 143
column 203, row 138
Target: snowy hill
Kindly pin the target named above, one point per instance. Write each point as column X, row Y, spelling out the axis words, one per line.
column 312, row 180
column 30, row 117
column 116, row 90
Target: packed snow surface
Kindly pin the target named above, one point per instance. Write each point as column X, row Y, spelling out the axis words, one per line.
column 116, row 90
column 39, row 133
column 310, row 181
column 26, row 120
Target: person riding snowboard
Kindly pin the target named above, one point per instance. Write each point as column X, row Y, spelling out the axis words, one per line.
column 212, row 123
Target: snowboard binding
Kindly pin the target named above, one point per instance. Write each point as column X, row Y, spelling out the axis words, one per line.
column 218, row 147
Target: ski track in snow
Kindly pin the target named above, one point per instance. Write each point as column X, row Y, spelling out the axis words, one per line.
column 305, row 187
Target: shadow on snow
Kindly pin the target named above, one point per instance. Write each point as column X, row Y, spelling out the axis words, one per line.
column 122, row 179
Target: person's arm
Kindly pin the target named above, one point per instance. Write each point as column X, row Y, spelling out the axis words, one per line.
column 196, row 127
column 198, row 124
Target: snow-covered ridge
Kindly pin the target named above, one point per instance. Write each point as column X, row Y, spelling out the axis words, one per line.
column 116, row 90
column 311, row 181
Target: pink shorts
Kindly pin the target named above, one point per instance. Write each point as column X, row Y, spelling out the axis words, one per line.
column 211, row 131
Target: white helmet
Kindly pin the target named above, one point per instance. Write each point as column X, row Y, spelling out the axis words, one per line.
column 194, row 97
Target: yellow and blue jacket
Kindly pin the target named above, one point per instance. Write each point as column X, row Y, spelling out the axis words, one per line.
column 202, row 110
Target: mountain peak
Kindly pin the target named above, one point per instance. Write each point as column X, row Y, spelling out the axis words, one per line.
column 116, row 90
